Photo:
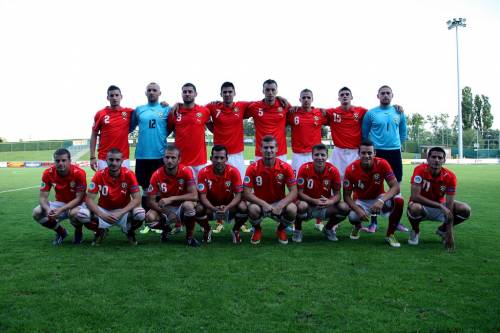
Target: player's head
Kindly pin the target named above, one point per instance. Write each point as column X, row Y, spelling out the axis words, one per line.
column 345, row 96
column 62, row 160
column 227, row 92
column 319, row 155
column 219, row 157
column 171, row 158
column 189, row 93
column 114, row 159
column 114, row 96
column 270, row 90
column 436, row 157
column 306, row 98
column 385, row 95
column 153, row 92
column 366, row 153
column 269, row 147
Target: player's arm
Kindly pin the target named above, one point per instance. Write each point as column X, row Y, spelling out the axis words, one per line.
column 394, row 189
column 205, row 202
column 415, row 196
column 366, row 126
column 43, row 199
column 289, row 198
column 72, row 204
column 402, row 129
column 92, row 206
column 304, row 197
column 347, row 196
column 135, row 202
column 93, row 144
column 191, row 195
column 449, row 240
column 210, row 126
column 399, row 109
column 134, row 121
column 236, row 200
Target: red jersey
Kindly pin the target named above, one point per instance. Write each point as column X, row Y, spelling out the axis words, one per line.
column 268, row 183
column 367, row 185
column 112, row 126
column 65, row 187
column 167, row 185
column 189, row 125
column 269, row 120
column 434, row 188
column 114, row 193
column 220, row 189
column 316, row 185
column 306, row 129
column 345, row 126
column 228, row 125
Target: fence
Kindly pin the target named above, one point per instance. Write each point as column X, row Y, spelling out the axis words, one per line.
column 34, row 145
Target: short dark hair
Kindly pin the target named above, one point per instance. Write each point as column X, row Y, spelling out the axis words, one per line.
column 366, row 142
column 345, row 89
column 219, row 148
column 113, row 87
column 173, row 147
column 306, row 91
column 114, row 151
column 189, row 85
column 384, row 86
column 61, row 152
column 319, row 146
column 269, row 138
column 227, row 85
column 438, row 149
column 270, row 81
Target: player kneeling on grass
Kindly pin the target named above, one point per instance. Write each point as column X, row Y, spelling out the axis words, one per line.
column 175, row 185
column 119, row 199
column 319, row 193
column 69, row 183
column 264, row 189
column 365, row 179
column 219, row 188
column 430, row 183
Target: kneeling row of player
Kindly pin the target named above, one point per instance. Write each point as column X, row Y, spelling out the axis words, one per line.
column 173, row 197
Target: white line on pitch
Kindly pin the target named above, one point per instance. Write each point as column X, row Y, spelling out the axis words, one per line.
column 19, row 189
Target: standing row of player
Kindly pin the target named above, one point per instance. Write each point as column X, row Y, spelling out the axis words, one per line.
column 173, row 196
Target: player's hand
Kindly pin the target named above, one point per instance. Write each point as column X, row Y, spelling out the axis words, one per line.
column 293, row 109
column 399, row 109
column 175, row 108
column 447, row 212
column 93, row 164
column 214, row 102
column 323, row 202
column 362, row 214
column 284, row 103
column 164, row 104
column 109, row 218
column 163, row 203
column 54, row 213
column 377, row 207
column 449, row 241
column 267, row 208
column 277, row 210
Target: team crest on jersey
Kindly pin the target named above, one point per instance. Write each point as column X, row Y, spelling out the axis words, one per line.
column 201, row 187
column 417, row 179
column 198, row 114
column 246, row 180
column 124, row 185
column 356, row 115
column 396, row 119
column 280, row 109
column 124, row 115
column 228, row 183
column 92, row 186
column 442, row 188
column 376, row 177
column 236, row 109
column 300, row 181
column 326, row 182
column 72, row 184
column 159, row 114
column 280, row 177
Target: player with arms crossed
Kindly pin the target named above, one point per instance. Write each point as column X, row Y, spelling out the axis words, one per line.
column 175, row 185
column 365, row 179
column 430, row 184
column 69, row 182
column 119, row 199
column 264, row 189
column 219, row 188
column 319, row 193
column 112, row 125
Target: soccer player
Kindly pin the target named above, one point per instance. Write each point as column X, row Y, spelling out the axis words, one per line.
column 119, row 199
column 189, row 125
column 152, row 139
column 219, row 188
column 319, row 193
column 365, row 179
column 433, row 189
column 385, row 126
column 174, row 183
column 269, row 117
column 112, row 125
column 264, row 189
column 69, row 182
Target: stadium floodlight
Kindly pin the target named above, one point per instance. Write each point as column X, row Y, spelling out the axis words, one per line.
column 455, row 23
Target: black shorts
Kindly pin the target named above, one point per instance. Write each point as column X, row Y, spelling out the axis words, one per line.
column 144, row 170
column 393, row 157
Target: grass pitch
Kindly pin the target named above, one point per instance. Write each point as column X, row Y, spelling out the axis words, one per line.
column 316, row 286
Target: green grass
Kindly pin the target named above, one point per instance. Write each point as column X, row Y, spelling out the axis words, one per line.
column 316, row 286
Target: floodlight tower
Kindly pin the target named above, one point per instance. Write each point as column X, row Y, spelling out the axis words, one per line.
column 455, row 23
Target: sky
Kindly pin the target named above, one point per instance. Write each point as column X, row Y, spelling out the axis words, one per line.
column 57, row 58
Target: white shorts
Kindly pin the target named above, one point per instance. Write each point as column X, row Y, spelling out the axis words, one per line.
column 101, row 164
column 122, row 223
column 238, row 161
column 433, row 214
column 342, row 157
column 298, row 159
column 317, row 213
column 367, row 204
column 177, row 210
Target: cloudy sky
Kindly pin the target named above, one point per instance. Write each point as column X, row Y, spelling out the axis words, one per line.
column 58, row 57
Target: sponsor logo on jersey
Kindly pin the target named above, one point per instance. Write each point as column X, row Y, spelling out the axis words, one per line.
column 124, row 115
column 300, row 181
column 92, row 186
column 417, row 179
column 326, row 182
column 201, row 187
column 246, row 180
